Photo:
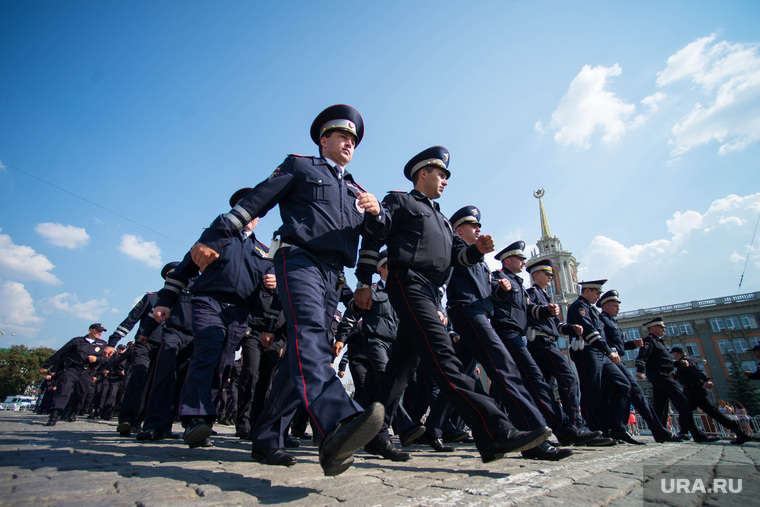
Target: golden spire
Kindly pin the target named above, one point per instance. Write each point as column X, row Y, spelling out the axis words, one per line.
column 545, row 232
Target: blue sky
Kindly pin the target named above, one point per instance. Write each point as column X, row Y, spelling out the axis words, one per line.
column 125, row 127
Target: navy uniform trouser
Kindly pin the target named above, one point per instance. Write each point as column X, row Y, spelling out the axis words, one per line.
column 480, row 340
column 664, row 389
column 251, row 353
column 214, row 323
column 309, row 293
column 132, row 405
column 554, row 365
column 171, row 361
column 698, row 397
column 71, row 387
column 421, row 334
column 594, row 369
column 641, row 404
column 112, row 389
column 534, row 382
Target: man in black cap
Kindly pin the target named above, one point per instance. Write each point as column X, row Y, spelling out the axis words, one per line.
column 422, row 247
column 754, row 374
column 610, row 305
column 695, row 386
column 324, row 211
column 471, row 304
column 655, row 360
column 224, row 296
column 80, row 357
column 595, row 362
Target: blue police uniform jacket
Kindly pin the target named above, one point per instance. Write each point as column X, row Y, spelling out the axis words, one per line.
column 142, row 313
column 318, row 211
column 690, row 375
column 471, row 286
column 654, row 357
column 76, row 352
column 512, row 307
column 235, row 277
column 546, row 326
column 181, row 317
column 419, row 238
column 380, row 321
column 614, row 335
column 583, row 313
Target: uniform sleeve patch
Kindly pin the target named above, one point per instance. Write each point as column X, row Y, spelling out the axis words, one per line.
column 582, row 312
column 276, row 172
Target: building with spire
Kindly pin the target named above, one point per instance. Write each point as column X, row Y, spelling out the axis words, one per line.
column 564, row 287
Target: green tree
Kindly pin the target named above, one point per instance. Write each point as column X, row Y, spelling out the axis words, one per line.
column 740, row 388
column 20, row 369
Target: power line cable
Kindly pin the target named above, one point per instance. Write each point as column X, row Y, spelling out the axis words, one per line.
column 748, row 254
column 5, row 164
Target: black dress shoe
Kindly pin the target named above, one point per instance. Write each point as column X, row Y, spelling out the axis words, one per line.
column 600, row 442
column 706, row 439
column 669, row 437
column 170, row 435
column 337, row 449
column 741, row 438
column 124, row 429
column 150, row 434
column 683, row 437
column 72, row 418
column 546, row 452
column 513, row 441
column 201, row 443
column 273, row 457
column 291, row 443
column 385, row 449
column 300, row 436
column 245, row 435
column 409, row 436
column 196, row 432
column 455, row 436
column 577, row 436
column 436, row 443
column 626, row 437
column 53, row 418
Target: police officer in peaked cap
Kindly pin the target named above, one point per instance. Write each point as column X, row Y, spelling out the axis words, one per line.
column 317, row 191
column 421, row 248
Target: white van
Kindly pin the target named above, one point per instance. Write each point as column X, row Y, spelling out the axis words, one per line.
column 18, row 402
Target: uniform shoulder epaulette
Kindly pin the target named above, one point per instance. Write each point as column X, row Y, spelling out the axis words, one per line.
column 300, row 156
column 149, row 293
column 396, row 192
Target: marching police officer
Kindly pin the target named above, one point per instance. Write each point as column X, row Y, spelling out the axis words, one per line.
column 324, row 211
column 596, row 361
column 655, row 360
column 81, row 357
column 695, row 386
column 421, row 248
column 610, row 305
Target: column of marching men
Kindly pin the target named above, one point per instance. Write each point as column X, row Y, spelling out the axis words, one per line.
column 410, row 357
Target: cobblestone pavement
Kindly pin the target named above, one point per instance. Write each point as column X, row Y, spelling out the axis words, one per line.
column 87, row 463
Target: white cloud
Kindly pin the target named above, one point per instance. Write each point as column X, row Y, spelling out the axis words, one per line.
column 727, row 78
column 588, row 107
column 2, row 166
column 696, row 238
column 17, row 312
column 22, row 262
column 67, row 236
column 69, row 303
column 144, row 251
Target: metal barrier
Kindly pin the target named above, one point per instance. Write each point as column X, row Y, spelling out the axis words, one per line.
column 704, row 422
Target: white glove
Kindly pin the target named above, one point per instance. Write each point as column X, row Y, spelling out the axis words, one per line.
column 577, row 343
column 531, row 334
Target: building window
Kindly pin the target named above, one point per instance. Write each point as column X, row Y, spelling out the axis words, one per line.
column 754, row 340
column 748, row 366
column 725, row 346
column 629, row 355
column 692, row 349
column 717, row 325
column 672, row 329
column 748, row 321
column 732, row 323
column 740, row 344
column 686, row 328
column 631, row 334
column 562, row 342
column 550, row 290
